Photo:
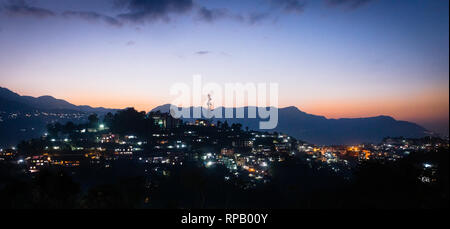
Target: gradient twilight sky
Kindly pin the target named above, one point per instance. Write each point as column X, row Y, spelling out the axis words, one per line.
column 337, row 58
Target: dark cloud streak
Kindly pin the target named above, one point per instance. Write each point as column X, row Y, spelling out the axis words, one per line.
column 202, row 52
column 290, row 6
column 141, row 11
column 212, row 15
column 22, row 8
column 92, row 17
column 255, row 18
column 352, row 4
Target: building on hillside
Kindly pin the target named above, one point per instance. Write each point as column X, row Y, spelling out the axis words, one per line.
column 165, row 120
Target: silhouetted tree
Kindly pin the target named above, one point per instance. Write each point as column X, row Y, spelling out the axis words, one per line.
column 130, row 121
column 69, row 128
column 108, row 119
column 93, row 120
column 225, row 125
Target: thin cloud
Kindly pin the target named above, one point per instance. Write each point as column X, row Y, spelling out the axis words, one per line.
column 290, row 6
column 212, row 15
column 203, row 52
column 22, row 8
column 352, row 4
column 255, row 18
column 142, row 11
column 152, row 10
column 93, row 17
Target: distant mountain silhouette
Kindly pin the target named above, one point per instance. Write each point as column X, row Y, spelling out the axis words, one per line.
column 10, row 101
column 312, row 128
column 16, row 128
column 320, row 130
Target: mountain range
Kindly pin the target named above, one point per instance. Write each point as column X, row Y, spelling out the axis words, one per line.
column 10, row 101
column 26, row 117
column 320, row 130
column 308, row 127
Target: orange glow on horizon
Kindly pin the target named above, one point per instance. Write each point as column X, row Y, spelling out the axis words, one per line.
column 419, row 107
column 429, row 105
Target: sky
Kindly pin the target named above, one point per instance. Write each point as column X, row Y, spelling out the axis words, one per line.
column 337, row 58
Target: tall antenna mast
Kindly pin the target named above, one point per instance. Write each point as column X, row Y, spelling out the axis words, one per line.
column 210, row 106
column 209, row 103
